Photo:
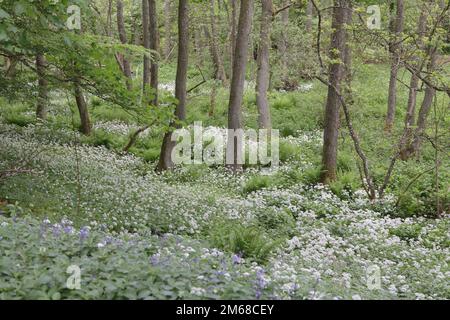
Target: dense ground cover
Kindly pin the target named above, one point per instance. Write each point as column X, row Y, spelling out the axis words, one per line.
column 200, row 232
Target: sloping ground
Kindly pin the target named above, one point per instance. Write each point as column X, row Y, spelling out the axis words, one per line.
column 148, row 237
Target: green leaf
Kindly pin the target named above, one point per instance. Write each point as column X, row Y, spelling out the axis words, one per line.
column 19, row 9
column 3, row 14
column 3, row 36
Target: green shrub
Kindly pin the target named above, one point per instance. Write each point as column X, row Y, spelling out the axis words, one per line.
column 406, row 231
column 257, row 183
column 19, row 119
column 288, row 151
column 248, row 241
column 103, row 138
column 345, row 184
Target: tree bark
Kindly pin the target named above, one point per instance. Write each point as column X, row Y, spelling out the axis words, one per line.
column 154, row 45
column 414, row 146
column 336, row 74
column 237, row 81
column 219, row 70
column 414, row 83
column 123, row 39
column 396, row 27
column 284, row 42
column 165, row 159
column 233, row 33
column 42, row 99
column 167, row 29
column 146, row 41
column 82, row 109
column 263, row 74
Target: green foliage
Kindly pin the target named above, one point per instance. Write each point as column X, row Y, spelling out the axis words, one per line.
column 249, row 241
column 407, row 232
column 289, row 152
column 257, row 183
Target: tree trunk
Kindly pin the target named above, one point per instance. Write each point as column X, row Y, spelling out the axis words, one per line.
column 309, row 12
column 42, row 99
column 123, row 39
column 154, row 45
column 237, row 82
column 336, row 73
column 82, row 109
column 165, row 159
column 414, row 83
column 348, row 76
column 146, row 41
column 430, row 92
column 219, row 70
column 109, row 19
column 284, row 42
column 263, row 74
column 167, row 29
column 233, row 33
column 396, row 27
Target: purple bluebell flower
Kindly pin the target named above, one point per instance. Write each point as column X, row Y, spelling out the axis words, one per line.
column 260, row 282
column 84, row 233
column 236, row 258
column 56, row 230
column 154, row 259
column 68, row 229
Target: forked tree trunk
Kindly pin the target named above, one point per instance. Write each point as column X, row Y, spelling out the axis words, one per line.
column 396, row 27
column 427, row 102
column 414, row 83
column 165, row 158
column 336, row 74
column 154, row 45
column 123, row 39
column 263, row 74
column 237, row 81
column 42, row 99
column 146, row 41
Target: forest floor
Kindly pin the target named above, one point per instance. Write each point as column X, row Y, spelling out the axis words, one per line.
column 201, row 232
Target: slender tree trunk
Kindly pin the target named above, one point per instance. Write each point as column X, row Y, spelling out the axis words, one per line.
column 123, row 39
column 212, row 106
column 146, row 41
column 348, row 59
column 414, row 83
column 237, row 82
column 336, row 74
column 165, row 159
column 219, row 70
column 424, row 110
column 283, row 45
column 154, row 45
column 167, row 29
column 82, row 109
column 42, row 99
column 109, row 19
column 309, row 13
column 396, row 27
column 233, row 33
column 263, row 74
